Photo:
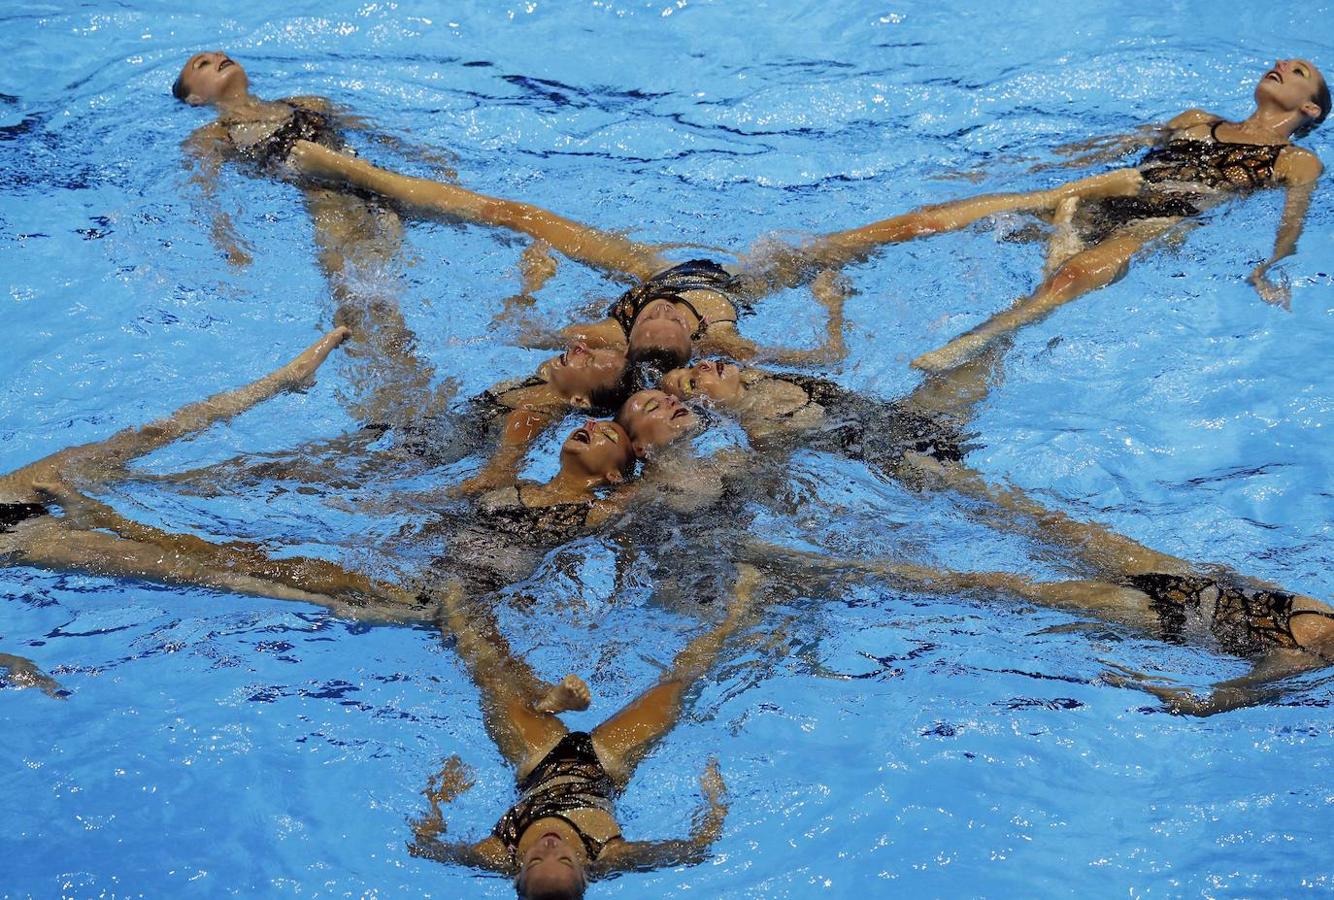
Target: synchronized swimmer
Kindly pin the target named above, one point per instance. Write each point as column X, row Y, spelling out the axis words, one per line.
column 660, row 368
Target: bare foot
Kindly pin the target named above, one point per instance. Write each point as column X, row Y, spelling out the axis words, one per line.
column 305, row 365
column 571, row 695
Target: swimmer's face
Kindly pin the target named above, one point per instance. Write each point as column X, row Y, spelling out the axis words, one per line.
column 551, row 866
column 661, row 326
column 580, row 374
column 715, row 379
column 1293, row 84
column 654, row 419
column 597, row 449
column 210, row 77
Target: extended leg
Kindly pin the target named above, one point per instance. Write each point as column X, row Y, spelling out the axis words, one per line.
column 522, row 732
column 186, row 559
column 601, row 249
column 623, row 740
column 1086, row 271
column 97, row 460
column 53, row 546
column 842, row 247
column 358, row 243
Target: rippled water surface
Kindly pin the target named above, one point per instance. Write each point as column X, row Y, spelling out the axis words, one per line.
column 878, row 742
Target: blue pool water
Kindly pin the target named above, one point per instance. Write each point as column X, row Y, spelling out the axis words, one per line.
column 883, row 742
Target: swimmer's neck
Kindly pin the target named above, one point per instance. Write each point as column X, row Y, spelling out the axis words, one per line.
column 1270, row 123
column 535, row 396
column 242, row 106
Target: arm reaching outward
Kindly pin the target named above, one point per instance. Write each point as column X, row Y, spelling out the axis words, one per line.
column 704, row 832
column 1300, row 170
column 92, row 462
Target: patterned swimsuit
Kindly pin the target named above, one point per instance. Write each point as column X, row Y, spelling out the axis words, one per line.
column 570, row 777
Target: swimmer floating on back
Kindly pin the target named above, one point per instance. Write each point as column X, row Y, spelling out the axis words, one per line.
column 1197, row 161
column 358, row 239
column 564, row 829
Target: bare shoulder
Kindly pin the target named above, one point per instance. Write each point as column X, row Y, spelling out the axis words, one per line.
column 618, row 855
column 1297, row 165
column 207, row 138
column 1192, row 118
column 312, row 103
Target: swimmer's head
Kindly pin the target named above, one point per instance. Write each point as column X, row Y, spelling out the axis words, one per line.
column 714, row 379
column 660, row 336
column 553, row 868
column 654, row 419
column 599, row 450
column 210, row 77
column 589, row 379
column 1296, row 85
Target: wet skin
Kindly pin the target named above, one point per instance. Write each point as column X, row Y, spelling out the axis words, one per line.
column 654, row 419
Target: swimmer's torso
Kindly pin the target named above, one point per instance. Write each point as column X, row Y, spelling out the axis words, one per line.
column 821, row 415
column 1245, row 621
column 571, row 784
column 268, row 138
column 1206, row 160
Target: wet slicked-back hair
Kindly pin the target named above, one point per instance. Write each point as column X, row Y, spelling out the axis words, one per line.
column 574, row 893
column 660, row 358
column 179, row 90
column 1321, row 100
column 610, row 397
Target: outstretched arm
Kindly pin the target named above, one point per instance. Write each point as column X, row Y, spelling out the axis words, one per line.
column 522, row 428
column 446, row 787
column 94, row 460
column 707, row 828
column 831, row 291
column 597, row 248
column 1299, row 170
column 205, row 151
column 1252, row 689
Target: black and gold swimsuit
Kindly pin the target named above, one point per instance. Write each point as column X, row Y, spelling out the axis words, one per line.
column 1213, row 163
column 570, row 777
column 552, row 524
column 874, row 431
column 14, row 514
column 695, row 275
column 1247, row 622
column 490, row 405
column 304, row 125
